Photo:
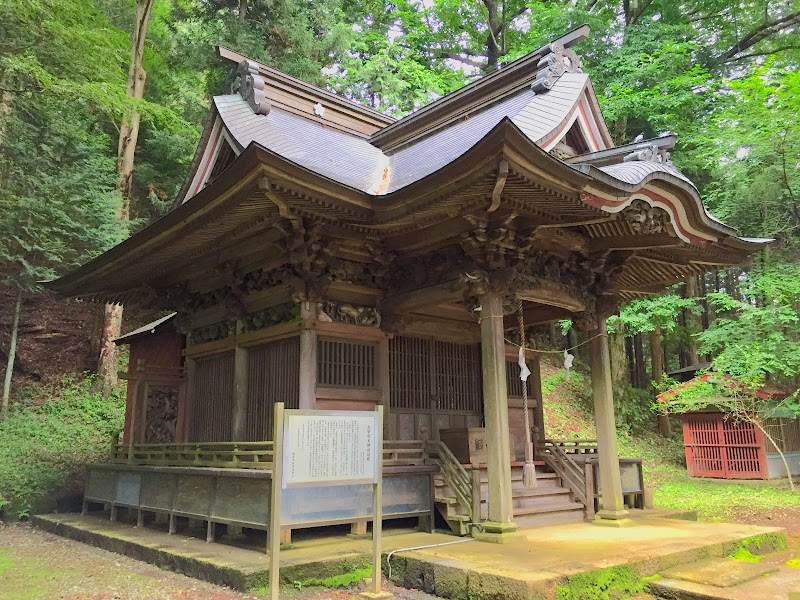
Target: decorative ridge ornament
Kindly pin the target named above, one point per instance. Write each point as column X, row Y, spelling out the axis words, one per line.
column 557, row 61
column 250, row 85
column 651, row 153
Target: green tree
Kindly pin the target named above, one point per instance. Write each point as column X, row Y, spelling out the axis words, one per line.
column 58, row 203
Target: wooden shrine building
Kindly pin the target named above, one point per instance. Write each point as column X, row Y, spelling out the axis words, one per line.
column 328, row 256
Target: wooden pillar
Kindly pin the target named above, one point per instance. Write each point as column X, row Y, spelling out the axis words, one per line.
column 308, row 358
column 612, row 506
column 495, row 408
column 535, row 392
column 188, row 412
column 239, row 394
column 385, row 382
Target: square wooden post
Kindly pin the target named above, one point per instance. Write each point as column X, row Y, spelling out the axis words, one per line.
column 500, row 526
column 240, row 392
column 308, row 358
column 612, row 506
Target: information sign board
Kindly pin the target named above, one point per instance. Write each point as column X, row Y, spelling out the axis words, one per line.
column 329, row 448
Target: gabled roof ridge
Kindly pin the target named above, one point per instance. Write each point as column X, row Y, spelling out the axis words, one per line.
column 307, row 88
column 480, row 93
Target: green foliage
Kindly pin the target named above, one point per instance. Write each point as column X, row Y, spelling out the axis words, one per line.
column 632, row 410
column 58, row 202
column 754, row 340
column 43, row 446
column 642, row 316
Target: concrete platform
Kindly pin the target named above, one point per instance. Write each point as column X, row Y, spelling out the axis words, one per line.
column 563, row 560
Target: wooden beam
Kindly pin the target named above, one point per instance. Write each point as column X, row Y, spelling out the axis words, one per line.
column 538, row 314
column 634, row 242
column 551, row 294
column 441, row 293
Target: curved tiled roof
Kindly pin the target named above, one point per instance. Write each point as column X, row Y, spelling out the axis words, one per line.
column 353, row 161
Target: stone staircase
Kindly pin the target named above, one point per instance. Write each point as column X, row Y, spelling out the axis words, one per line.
column 549, row 503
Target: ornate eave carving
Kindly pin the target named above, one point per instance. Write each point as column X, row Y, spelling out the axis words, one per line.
column 250, row 85
column 352, row 314
column 645, row 219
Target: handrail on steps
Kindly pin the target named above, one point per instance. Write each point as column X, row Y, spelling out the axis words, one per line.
column 456, row 478
column 573, row 475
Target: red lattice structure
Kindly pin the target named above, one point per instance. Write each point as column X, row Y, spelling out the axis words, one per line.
column 723, row 448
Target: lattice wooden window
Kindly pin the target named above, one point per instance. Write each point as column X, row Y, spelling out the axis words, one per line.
column 212, row 398
column 421, row 370
column 785, row 432
column 272, row 376
column 409, row 373
column 345, row 363
column 513, row 382
column 457, row 376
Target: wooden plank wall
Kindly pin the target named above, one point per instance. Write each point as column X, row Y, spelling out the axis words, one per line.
column 211, row 398
column 273, row 372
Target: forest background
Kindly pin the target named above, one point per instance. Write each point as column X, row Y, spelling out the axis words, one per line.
column 723, row 76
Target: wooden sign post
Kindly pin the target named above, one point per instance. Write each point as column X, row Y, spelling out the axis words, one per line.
column 315, row 449
column 275, row 504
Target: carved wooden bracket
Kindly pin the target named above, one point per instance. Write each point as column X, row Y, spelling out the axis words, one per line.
column 644, row 218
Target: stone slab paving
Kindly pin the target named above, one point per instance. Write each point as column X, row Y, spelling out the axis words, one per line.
column 533, row 565
column 719, row 572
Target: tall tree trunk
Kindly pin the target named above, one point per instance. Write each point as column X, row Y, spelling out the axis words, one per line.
column 640, row 368
column 692, row 321
column 631, row 360
column 492, row 46
column 242, row 11
column 12, row 351
column 657, row 358
column 6, row 100
column 619, row 362
column 108, row 362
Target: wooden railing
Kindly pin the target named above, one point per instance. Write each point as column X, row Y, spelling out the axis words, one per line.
column 404, row 453
column 456, row 478
column 558, row 456
column 575, row 446
column 240, row 455
column 243, row 455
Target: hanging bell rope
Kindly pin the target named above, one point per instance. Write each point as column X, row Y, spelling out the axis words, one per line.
column 529, row 470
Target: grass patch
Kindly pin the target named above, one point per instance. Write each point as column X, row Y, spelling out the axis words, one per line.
column 745, row 555
column 44, row 445
column 26, row 578
column 793, row 563
column 338, row 581
column 612, row 583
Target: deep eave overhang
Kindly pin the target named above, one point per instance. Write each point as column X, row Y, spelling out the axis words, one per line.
column 624, row 189
column 504, row 142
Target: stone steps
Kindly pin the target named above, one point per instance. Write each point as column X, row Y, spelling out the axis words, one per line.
column 547, row 503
